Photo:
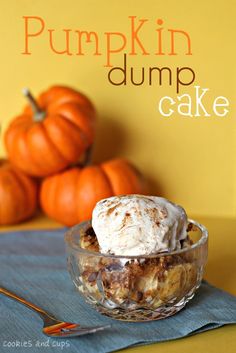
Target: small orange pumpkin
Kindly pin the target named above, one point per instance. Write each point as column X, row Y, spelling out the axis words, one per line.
column 18, row 195
column 51, row 133
column 69, row 197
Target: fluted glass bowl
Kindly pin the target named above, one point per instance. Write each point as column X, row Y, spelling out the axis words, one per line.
column 136, row 288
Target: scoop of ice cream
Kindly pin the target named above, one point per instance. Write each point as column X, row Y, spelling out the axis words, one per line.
column 138, row 225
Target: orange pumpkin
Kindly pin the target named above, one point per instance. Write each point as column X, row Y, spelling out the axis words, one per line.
column 69, row 197
column 51, row 133
column 18, row 195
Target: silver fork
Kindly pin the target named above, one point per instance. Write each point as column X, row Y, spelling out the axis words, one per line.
column 53, row 327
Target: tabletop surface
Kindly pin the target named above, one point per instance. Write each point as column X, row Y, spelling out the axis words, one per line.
column 220, row 271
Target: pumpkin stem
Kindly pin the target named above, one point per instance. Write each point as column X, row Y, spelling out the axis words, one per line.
column 39, row 115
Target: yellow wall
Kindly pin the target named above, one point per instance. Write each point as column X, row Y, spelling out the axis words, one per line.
column 189, row 160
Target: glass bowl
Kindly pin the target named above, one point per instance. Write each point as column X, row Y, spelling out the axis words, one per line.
column 136, row 288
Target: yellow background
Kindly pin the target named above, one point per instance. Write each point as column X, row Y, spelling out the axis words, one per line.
column 189, row 160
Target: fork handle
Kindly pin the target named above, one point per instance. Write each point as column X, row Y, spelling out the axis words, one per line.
column 43, row 314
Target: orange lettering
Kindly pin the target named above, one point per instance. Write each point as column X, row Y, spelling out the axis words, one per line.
column 27, row 34
column 66, row 50
column 135, row 38
column 173, row 31
column 112, row 51
column 88, row 40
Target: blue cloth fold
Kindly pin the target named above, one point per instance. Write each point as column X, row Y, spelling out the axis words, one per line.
column 33, row 264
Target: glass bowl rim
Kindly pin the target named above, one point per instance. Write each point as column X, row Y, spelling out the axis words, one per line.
column 70, row 233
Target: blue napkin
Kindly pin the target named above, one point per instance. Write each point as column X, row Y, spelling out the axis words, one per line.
column 33, row 264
